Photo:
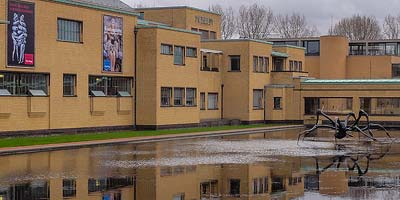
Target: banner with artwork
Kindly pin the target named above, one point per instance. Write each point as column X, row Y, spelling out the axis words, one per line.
column 112, row 44
column 21, row 34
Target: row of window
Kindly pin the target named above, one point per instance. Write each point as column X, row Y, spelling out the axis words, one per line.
column 385, row 106
column 178, row 96
column 35, row 84
column 295, row 66
column 312, row 46
column 178, row 52
column 375, row 49
column 205, row 34
column 260, row 64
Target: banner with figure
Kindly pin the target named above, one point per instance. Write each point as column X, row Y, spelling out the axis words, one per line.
column 21, row 34
column 112, row 44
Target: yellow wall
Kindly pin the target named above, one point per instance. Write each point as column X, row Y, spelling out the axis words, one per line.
column 333, row 54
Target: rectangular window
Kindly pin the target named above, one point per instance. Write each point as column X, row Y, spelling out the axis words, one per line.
column 312, row 47
column 166, row 94
column 234, row 187
column 376, row 49
column 395, row 70
column 260, row 64
column 195, row 29
column 278, row 64
column 202, row 101
column 300, row 66
column 179, row 55
column 109, row 85
column 69, row 30
column 191, row 97
column 19, row 84
column 277, row 103
column 212, row 101
column 191, row 52
column 69, row 187
column 255, row 63
column 179, row 197
column 213, row 35
column 296, row 66
column 166, row 49
column 291, row 65
column 334, row 105
column 357, row 49
column 235, row 63
column 204, row 34
column 258, row 96
column 383, row 106
column 69, row 85
column 179, row 95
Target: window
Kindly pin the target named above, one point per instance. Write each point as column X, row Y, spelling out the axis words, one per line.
column 260, row 64
column 166, row 49
column 235, row 63
column 205, row 63
column 334, row 105
column 141, row 16
column 278, row 64
column 179, row 94
column 109, row 85
column 384, row 106
column 391, row 49
column 376, row 49
column 357, row 49
column 191, row 97
column 19, row 84
column 166, row 93
column 277, row 103
column 312, row 47
column 69, row 30
column 258, row 99
column 179, row 55
column 191, row 52
column 69, row 85
column 69, row 187
column 213, row 35
column 260, row 185
column 234, row 187
column 300, row 68
column 311, row 105
column 291, row 65
column 212, row 101
column 195, row 29
column 396, row 70
column 202, row 101
column 204, row 34
column 179, row 197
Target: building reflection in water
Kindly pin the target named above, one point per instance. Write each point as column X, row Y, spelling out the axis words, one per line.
column 78, row 174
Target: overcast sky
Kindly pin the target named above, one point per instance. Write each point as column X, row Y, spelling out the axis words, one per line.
column 318, row 12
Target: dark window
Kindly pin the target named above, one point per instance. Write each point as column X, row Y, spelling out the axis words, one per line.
column 376, row 49
column 69, row 188
column 69, row 85
column 212, row 101
column 328, row 105
column 234, row 187
column 110, row 86
column 195, row 29
column 179, row 55
column 312, row 48
column 69, row 30
column 191, row 97
column 141, row 16
column 386, row 106
column 179, row 95
column 202, row 101
column 235, row 63
column 191, row 52
column 205, row 63
column 365, row 104
column 166, row 94
column 277, row 103
column 166, row 49
column 204, row 34
column 357, row 49
column 258, row 96
column 391, row 49
column 278, row 64
column 291, row 65
column 277, row 184
column 19, row 84
column 396, row 70
column 213, row 35
column 311, row 105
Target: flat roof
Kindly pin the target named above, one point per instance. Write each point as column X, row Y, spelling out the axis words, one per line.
column 289, row 46
column 318, row 38
column 142, row 26
column 147, row 22
column 349, row 81
column 239, row 40
column 91, row 4
column 178, row 7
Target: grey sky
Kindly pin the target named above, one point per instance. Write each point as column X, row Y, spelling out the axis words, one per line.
column 318, row 12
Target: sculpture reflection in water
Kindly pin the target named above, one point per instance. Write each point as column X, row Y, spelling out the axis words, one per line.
column 345, row 128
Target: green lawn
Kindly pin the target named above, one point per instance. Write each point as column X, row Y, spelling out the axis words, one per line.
column 56, row 139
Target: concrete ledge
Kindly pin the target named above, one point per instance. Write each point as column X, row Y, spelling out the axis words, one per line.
column 139, row 140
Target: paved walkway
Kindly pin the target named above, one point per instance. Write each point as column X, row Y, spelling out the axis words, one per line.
column 137, row 140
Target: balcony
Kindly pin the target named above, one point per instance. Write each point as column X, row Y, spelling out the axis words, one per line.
column 211, row 60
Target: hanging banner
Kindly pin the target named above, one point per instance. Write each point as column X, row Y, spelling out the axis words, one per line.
column 21, row 34
column 112, row 44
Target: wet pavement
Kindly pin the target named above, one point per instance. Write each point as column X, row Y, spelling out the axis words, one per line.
column 254, row 166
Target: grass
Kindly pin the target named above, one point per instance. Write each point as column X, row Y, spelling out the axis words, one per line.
column 57, row 139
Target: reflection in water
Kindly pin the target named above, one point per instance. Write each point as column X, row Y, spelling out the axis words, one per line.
column 255, row 166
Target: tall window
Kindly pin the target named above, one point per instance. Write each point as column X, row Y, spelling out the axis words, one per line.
column 385, row 106
column 166, row 49
column 19, row 84
column 258, row 99
column 166, row 94
column 179, row 55
column 278, row 64
column 191, row 97
column 191, row 52
column 212, row 101
column 179, row 94
column 69, row 85
column 396, row 70
column 204, row 34
column 110, row 86
column 260, row 185
column 300, row 66
column 291, row 65
column 260, row 64
column 213, row 35
column 234, row 63
column 277, row 103
column 202, row 101
column 69, row 188
column 234, row 187
column 69, row 30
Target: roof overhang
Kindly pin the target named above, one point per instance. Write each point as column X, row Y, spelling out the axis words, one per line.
column 211, row 51
column 279, row 54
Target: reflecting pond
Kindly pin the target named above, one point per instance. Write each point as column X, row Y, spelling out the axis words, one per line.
column 256, row 166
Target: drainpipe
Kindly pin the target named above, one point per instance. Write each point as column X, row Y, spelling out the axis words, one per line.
column 265, row 103
column 222, row 101
column 134, row 79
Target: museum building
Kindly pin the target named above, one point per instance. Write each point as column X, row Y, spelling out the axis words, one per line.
column 84, row 65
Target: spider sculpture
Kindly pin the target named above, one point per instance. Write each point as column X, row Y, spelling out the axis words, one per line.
column 344, row 128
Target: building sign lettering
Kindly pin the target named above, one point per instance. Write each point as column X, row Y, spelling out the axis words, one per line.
column 204, row 20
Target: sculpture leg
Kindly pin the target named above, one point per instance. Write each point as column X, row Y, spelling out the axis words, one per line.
column 362, row 132
column 381, row 127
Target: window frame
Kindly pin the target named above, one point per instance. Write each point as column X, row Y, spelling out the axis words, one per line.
column 24, row 81
column 171, row 48
column 183, row 99
column 194, row 97
column 80, row 30
column 278, row 106
column 216, row 107
column 183, row 55
column 108, row 85
column 230, row 63
column 261, row 106
column 74, row 86
column 195, row 52
column 170, row 97
column 203, row 101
